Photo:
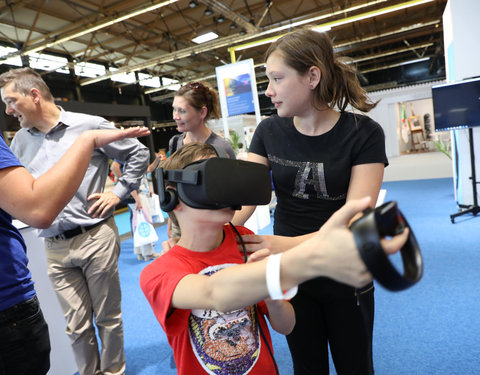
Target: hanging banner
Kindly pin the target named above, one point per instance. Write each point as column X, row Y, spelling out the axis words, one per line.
column 237, row 88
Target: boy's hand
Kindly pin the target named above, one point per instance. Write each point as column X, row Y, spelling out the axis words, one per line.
column 342, row 259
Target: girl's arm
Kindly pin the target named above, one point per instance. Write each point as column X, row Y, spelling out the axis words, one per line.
column 366, row 180
column 281, row 315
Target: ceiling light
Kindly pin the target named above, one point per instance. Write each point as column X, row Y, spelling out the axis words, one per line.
column 322, row 29
column 220, row 19
column 208, row 12
column 193, row 4
column 341, row 21
column 383, row 67
column 233, row 25
column 205, row 37
column 96, row 27
column 257, row 43
column 413, row 61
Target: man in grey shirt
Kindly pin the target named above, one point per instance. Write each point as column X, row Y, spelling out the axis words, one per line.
column 82, row 244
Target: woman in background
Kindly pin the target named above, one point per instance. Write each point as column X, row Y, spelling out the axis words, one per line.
column 320, row 156
column 193, row 105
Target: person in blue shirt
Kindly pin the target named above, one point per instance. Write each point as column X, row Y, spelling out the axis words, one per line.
column 24, row 340
column 82, row 244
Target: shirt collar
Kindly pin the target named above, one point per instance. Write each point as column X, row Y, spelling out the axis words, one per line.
column 60, row 123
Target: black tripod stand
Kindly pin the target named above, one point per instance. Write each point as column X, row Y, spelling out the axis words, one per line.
column 473, row 209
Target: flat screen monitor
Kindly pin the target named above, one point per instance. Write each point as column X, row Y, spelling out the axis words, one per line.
column 456, row 105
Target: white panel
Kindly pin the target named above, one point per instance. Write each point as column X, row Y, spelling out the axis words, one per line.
column 462, row 56
column 62, row 361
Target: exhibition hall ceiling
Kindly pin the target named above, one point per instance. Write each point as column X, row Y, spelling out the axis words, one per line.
column 384, row 39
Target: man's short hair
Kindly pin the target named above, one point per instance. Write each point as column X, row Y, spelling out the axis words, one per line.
column 25, row 79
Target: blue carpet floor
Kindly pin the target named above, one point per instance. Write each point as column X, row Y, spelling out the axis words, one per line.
column 434, row 327
column 431, row 328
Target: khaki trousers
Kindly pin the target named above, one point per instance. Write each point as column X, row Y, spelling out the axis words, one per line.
column 84, row 274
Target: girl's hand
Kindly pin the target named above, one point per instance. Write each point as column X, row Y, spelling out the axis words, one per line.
column 275, row 244
column 258, row 255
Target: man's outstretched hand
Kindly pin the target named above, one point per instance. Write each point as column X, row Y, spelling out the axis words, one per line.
column 102, row 137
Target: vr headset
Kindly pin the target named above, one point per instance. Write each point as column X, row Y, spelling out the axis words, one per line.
column 215, row 183
column 387, row 220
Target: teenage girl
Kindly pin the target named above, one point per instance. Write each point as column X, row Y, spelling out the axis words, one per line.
column 320, row 156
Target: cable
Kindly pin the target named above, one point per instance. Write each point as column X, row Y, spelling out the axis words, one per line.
column 245, row 257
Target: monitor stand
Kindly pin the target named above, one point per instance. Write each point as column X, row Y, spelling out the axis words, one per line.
column 473, row 209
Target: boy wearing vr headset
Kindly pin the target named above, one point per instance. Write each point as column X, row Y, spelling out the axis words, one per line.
column 204, row 296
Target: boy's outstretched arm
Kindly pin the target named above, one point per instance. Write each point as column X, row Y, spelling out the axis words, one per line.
column 331, row 252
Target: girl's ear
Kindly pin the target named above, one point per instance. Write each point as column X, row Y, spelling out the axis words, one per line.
column 314, row 75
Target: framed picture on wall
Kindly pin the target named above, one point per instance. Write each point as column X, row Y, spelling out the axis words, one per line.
column 414, row 123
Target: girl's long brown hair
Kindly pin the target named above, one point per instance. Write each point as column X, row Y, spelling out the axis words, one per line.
column 339, row 85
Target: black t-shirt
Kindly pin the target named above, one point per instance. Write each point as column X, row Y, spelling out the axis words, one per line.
column 311, row 174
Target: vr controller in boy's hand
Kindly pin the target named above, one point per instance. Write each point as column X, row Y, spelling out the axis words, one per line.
column 387, row 220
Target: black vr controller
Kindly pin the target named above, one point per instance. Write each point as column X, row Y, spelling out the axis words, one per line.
column 387, row 220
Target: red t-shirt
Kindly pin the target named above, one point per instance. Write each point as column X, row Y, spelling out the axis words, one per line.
column 207, row 341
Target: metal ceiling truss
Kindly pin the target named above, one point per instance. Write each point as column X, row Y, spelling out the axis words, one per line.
column 229, row 41
column 151, row 35
column 239, row 20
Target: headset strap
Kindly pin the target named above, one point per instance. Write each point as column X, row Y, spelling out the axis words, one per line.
column 221, row 153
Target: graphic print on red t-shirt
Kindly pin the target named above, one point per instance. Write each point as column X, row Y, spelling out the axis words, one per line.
column 224, row 343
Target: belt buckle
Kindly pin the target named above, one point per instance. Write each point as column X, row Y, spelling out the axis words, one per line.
column 61, row 236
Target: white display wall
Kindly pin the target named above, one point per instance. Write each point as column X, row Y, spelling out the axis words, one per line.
column 462, row 55
column 388, row 112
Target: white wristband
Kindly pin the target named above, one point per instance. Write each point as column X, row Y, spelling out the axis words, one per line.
column 272, row 275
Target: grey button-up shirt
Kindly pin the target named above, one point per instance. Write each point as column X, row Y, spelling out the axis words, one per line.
column 38, row 152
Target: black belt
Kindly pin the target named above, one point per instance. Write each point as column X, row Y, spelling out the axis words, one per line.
column 20, row 311
column 75, row 231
